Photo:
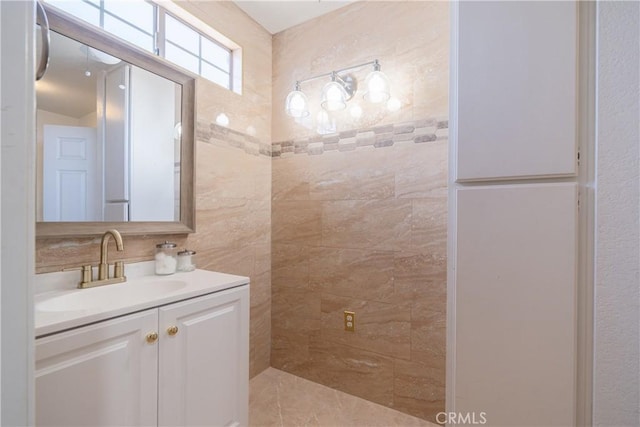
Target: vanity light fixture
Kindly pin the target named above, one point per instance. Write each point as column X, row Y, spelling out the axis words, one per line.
column 341, row 88
column 376, row 86
column 297, row 104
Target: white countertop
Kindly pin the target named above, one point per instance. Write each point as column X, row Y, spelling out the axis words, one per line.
column 60, row 305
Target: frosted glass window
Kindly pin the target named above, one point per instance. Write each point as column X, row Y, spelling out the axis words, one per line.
column 80, row 9
column 137, row 12
column 215, row 74
column 216, row 54
column 182, row 58
column 139, row 21
column 182, row 35
column 128, row 32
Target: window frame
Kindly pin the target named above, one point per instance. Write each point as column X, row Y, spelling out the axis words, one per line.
column 162, row 43
column 159, row 40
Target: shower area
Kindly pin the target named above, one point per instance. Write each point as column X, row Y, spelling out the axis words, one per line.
column 359, row 216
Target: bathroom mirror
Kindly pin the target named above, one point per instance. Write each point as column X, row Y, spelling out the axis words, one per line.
column 115, row 137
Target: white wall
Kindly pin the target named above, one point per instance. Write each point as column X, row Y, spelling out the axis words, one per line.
column 152, row 147
column 17, row 108
column 617, row 287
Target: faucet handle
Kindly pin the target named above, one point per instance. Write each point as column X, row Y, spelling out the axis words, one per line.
column 118, row 269
column 87, row 274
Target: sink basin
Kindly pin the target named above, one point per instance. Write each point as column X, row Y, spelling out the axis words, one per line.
column 109, row 295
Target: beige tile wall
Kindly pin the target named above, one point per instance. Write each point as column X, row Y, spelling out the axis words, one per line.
column 364, row 230
column 233, row 186
column 381, row 254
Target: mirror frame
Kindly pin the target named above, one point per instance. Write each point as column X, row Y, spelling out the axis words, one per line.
column 89, row 35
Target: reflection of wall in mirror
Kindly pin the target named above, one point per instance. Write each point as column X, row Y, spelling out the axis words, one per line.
column 139, row 146
column 152, row 147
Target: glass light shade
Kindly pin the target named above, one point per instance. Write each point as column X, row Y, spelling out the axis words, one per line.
column 334, row 97
column 355, row 111
column 222, row 119
column 325, row 123
column 376, row 87
column 297, row 104
column 393, row 104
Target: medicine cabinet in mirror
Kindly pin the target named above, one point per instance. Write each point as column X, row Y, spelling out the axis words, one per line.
column 115, row 137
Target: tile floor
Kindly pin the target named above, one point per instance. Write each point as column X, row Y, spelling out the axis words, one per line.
column 277, row 398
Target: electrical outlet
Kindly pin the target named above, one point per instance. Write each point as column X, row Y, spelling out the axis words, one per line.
column 349, row 321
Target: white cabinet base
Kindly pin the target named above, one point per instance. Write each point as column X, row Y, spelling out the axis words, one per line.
column 204, row 366
column 108, row 374
column 99, row 375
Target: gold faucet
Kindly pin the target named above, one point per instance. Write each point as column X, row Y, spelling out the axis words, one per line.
column 103, row 268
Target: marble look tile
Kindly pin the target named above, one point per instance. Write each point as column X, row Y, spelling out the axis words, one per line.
column 421, row 169
column 261, row 174
column 379, row 327
column 221, row 172
column 419, row 276
column 419, row 388
column 280, row 399
column 56, row 254
column 295, row 310
column 259, row 338
column 290, row 266
column 354, row 273
column 429, row 225
column 428, row 326
column 355, row 371
column 290, row 178
column 296, row 221
column 351, row 176
column 290, row 350
column 226, row 260
column 374, row 224
column 234, row 222
column 262, row 260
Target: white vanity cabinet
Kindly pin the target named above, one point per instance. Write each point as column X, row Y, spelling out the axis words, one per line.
column 114, row 373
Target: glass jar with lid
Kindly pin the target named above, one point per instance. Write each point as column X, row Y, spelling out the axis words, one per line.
column 185, row 260
column 166, row 258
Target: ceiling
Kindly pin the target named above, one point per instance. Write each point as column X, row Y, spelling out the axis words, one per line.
column 276, row 16
column 65, row 88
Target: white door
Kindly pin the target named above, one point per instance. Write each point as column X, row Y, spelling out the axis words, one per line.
column 69, row 176
column 516, row 89
column 204, row 367
column 515, row 310
column 99, row 375
column 512, row 285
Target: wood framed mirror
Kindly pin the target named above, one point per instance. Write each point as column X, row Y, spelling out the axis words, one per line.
column 128, row 163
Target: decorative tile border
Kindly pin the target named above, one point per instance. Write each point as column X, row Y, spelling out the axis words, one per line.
column 219, row 135
column 419, row 131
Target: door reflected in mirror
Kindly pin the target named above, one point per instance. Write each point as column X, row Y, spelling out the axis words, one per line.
column 108, row 139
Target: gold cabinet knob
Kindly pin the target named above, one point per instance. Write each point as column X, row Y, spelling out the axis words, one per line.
column 152, row 337
column 172, row 330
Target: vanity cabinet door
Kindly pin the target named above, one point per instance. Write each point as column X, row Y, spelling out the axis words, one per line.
column 204, row 364
column 99, row 375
